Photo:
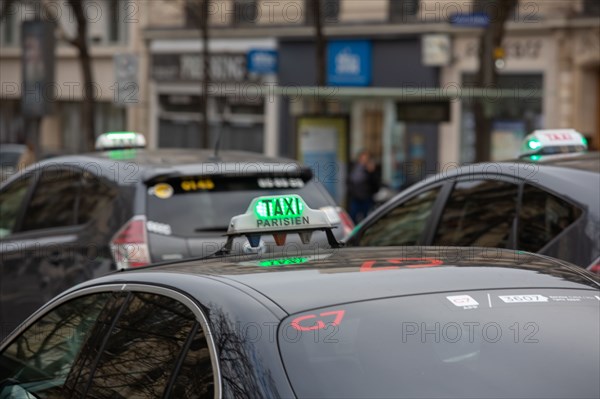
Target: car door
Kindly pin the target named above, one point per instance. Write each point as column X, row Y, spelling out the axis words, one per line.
column 13, row 198
column 38, row 254
column 146, row 342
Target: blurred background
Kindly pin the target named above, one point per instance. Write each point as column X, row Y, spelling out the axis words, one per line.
column 421, row 85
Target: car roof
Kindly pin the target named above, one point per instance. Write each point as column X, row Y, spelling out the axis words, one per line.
column 587, row 161
column 149, row 164
column 350, row 274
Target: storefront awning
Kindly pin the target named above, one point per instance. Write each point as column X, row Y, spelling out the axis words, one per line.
column 450, row 92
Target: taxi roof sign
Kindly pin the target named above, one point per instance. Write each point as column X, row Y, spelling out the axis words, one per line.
column 120, row 140
column 279, row 215
column 553, row 141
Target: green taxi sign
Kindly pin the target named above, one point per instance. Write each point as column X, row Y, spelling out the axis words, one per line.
column 279, row 207
column 120, row 141
column 279, row 215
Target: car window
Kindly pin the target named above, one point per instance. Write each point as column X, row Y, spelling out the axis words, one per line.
column 111, row 345
column 54, row 200
column 543, row 216
column 478, row 213
column 403, row 225
column 192, row 206
column 154, row 337
column 40, row 359
column 96, row 200
column 11, row 200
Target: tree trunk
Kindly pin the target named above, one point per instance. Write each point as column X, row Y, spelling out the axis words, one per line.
column 205, row 73
column 319, row 44
column 88, row 100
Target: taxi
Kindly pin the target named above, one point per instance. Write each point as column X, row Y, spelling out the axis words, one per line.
column 395, row 322
column 71, row 218
column 547, row 201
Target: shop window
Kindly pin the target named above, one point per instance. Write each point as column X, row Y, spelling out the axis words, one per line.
column 403, row 10
column 108, row 21
column 478, row 213
column 511, row 118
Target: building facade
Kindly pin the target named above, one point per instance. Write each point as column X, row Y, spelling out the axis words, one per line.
column 114, row 35
column 399, row 71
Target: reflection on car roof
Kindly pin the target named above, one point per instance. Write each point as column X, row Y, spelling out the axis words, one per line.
column 355, row 274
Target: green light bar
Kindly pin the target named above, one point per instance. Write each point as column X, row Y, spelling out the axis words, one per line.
column 534, row 144
column 584, row 141
column 284, row 206
column 282, row 262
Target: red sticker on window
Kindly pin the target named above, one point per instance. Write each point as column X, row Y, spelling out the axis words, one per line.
column 312, row 322
column 368, row 266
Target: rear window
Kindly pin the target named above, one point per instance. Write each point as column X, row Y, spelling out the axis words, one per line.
column 515, row 343
column 192, row 205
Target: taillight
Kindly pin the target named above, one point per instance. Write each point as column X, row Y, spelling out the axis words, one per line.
column 347, row 223
column 595, row 266
column 129, row 245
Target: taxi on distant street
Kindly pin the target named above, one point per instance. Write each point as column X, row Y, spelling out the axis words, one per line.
column 547, row 201
column 71, row 218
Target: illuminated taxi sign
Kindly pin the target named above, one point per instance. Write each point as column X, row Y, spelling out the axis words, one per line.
column 551, row 141
column 279, row 215
column 120, row 140
column 279, row 207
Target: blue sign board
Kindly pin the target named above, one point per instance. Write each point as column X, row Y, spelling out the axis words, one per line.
column 475, row 20
column 349, row 63
column 262, row 62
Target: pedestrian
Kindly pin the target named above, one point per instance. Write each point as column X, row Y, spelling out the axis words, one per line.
column 362, row 185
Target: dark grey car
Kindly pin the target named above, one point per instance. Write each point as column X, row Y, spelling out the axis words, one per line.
column 71, row 218
column 544, row 204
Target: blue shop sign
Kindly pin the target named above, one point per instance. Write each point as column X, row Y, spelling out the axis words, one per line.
column 262, row 62
column 349, row 63
column 474, row 20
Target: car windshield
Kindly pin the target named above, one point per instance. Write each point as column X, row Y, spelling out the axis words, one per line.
column 539, row 343
column 196, row 205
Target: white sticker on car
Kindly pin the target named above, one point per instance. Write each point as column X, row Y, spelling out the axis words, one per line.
column 159, row 228
column 463, row 301
column 523, row 298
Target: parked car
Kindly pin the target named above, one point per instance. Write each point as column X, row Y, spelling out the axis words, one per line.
column 71, row 218
column 546, row 202
column 9, row 159
column 396, row 322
